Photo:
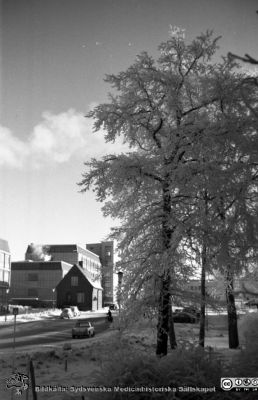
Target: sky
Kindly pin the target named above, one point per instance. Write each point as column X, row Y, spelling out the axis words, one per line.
column 54, row 55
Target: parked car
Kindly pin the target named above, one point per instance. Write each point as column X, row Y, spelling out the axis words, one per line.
column 184, row 317
column 83, row 328
column 66, row 313
column 111, row 306
column 75, row 311
column 252, row 302
column 192, row 310
column 176, row 310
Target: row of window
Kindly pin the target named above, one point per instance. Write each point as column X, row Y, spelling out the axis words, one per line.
column 5, row 260
column 4, row 275
column 33, row 292
column 74, row 258
column 34, row 277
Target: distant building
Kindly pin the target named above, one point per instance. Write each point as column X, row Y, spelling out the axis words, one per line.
column 5, row 272
column 78, row 289
column 46, row 265
column 105, row 251
column 37, row 279
column 244, row 290
column 70, row 253
column 213, row 290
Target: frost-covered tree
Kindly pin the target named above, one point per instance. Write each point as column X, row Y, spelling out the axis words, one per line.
column 169, row 112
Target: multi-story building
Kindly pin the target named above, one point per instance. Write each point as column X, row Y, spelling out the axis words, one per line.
column 37, row 279
column 213, row 290
column 5, row 272
column 244, row 290
column 105, row 251
column 70, row 253
column 46, row 266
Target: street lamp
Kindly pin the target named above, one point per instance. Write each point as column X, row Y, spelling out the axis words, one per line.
column 53, row 298
column 6, row 304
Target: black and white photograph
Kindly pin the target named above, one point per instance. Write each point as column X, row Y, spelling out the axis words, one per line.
column 128, row 199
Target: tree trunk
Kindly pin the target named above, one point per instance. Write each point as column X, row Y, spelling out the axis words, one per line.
column 165, row 321
column 233, row 340
column 203, row 296
column 163, row 317
column 203, row 273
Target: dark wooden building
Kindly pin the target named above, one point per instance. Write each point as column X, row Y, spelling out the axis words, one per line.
column 78, row 289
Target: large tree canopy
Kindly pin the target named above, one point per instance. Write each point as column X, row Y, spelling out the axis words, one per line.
column 189, row 133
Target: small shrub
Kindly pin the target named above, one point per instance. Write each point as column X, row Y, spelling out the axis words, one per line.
column 183, row 367
column 188, row 366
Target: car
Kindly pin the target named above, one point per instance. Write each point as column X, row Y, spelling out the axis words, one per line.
column 192, row 311
column 111, row 306
column 75, row 311
column 66, row 313
column 184, row 317
column 83, row 328
column 252, row 302
column 176, row 310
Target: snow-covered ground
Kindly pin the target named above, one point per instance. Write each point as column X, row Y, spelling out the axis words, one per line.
column 49, row 313
column 62, row 366
column 65, row 371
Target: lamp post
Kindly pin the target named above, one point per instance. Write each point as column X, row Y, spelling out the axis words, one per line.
column 53, row 298
column 6, row 304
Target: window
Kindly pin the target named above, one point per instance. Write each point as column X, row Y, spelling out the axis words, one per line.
column 7, row 261
column 74, row 281
column 6, row 276
column 32, row 292
column 80, row 298
column 1, row 259
column 108, row 252
column 33, row 277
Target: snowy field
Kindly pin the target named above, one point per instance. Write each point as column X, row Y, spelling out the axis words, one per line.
column 65, row 371
column 62, row 365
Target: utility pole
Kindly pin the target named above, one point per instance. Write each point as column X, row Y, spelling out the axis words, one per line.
column 15, row 313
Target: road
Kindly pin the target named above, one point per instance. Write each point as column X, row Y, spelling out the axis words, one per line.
column 43, row 332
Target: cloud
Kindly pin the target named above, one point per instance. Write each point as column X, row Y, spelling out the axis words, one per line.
column 57, row 138
column 12, row 150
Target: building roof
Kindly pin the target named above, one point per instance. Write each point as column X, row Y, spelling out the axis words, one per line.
column 63, row 248
column 95, row 284
column 40, row 265
column 4, row 246
column 86, row 274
